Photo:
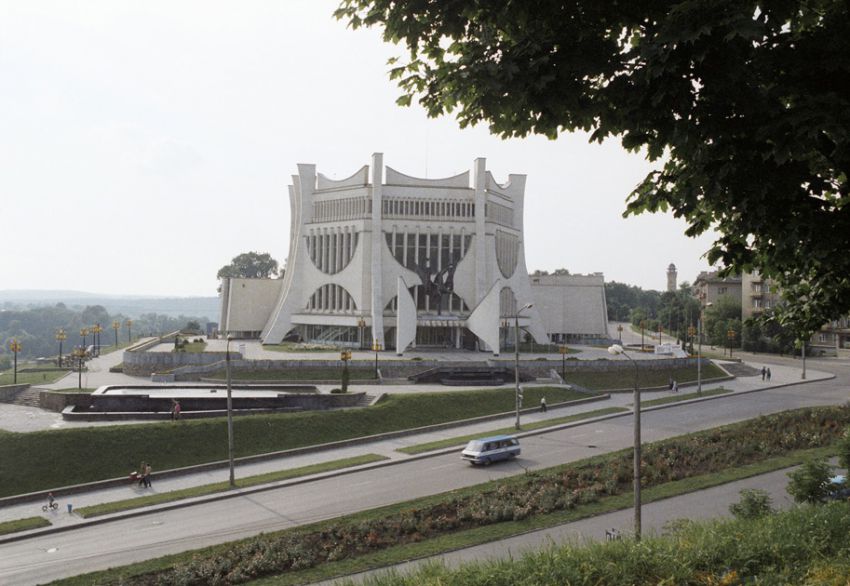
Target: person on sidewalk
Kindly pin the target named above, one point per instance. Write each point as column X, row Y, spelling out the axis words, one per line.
column 142, row 473
column 763, row 372
column 675, row 386
column 543, row 404
column 175, row 409
column 147, row 475
column 768, row 375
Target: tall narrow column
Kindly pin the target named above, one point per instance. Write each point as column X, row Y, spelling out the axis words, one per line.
column 377, row 237
column 480, row 244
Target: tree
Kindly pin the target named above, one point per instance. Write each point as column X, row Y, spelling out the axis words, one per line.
column 250, row 265
column 844, row 450
column 754, row 503
column 745, row 105
column 810, row 482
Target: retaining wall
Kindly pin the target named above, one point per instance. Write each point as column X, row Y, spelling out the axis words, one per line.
column 9, row 392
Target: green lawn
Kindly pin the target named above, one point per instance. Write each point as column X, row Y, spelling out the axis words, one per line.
column 32, row 378
column 196, row 491
column 48, row 459
column 625, row 379
column 298, row 347
column 23, row 525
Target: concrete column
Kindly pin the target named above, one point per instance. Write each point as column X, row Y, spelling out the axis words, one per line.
column 377, row 236
column 480, row 244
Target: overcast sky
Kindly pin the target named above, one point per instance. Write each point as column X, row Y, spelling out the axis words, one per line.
column 145, row 144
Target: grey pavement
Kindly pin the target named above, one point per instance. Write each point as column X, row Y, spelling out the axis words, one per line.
column 782, row 375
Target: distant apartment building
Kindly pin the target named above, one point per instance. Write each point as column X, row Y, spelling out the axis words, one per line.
column 709, row 287
column 757, row 294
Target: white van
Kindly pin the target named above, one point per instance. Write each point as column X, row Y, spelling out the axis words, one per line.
column 487, row 450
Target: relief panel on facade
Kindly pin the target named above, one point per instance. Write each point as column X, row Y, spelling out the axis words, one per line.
column 507, row 252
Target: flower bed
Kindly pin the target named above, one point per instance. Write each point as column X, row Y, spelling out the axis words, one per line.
column 513, row 499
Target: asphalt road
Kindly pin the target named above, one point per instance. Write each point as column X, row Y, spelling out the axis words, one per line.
column 45, row 558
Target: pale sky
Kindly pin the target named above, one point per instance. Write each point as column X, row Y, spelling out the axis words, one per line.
column 145, row 144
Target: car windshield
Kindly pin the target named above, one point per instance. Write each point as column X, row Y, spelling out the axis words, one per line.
column 475, row 446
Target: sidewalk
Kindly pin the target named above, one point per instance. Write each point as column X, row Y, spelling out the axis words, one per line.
column 387, row 447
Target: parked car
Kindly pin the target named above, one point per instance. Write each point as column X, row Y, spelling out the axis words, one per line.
column 487, row 450
column 839, row 488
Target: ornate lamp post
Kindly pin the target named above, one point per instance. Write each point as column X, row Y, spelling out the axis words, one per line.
column 620, row 333
column 15, row 347
column 116, row 325
column 345, row 356
column 61, row 336
column 691, row 333
column 361, row 324
column 229, row 413
column 730, row 335
column 129, row 324
column 83, row 333
column 80, row 355
column 617, row 349
column 563, row 350
column 517, row 393
column 95, row 332
column 376, row 346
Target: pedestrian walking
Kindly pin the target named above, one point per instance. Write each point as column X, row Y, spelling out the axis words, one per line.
column 768, row 375
column 141, row 473
column 675, row 386
column 175, row 409
column 543, row 404
column 147, row 475
column 763, row 372
column 670, row 383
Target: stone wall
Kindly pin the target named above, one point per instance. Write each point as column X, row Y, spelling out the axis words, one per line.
column 53, row 401
column 142, row 363
column 9, row 392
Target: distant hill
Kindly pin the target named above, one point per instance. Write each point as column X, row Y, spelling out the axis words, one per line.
column 129, row 305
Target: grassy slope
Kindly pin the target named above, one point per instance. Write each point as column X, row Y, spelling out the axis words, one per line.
column 47, row 459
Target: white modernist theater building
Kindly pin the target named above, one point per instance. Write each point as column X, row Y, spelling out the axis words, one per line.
column 382, row 257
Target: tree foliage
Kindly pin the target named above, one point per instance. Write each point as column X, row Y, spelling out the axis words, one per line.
column 745, row 104
column 754, row 504
column 810, row 482
column 250, row 265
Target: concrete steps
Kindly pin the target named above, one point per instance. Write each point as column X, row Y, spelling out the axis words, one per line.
column 27, row 397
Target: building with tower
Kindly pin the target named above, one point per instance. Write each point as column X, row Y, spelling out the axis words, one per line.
column 671, row 277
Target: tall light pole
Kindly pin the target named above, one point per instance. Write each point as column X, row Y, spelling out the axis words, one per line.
column 376, row 346
column 83, row 333
column 517, row 396
column 730, row 334
column 699, row 350
column 116, row 325
column 61, row 336
column 361, row 324
column 15, row 347
column 129, row 324
column 803, row 351
column 80, row 354
column 620, row 332
column 95, row 332
column 229, row 413
column 617, row 349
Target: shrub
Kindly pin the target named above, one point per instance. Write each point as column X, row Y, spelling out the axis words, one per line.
column 809, row 483
column 754, row 503
column 336, row 391
column 844, row 449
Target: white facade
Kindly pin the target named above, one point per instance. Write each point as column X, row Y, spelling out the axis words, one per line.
column 352, row 241
column 573, row 307
column 381, row 257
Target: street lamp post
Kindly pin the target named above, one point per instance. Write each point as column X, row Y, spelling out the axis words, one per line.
column 730, row 335
column 229, row 413
column 116, row 325
column 15, row 347
column 96, row 329
column 80, row 355
column 803, row 353
column 345, row 356
column 517, row 395
column 83, row 333
column 361, row 323
column 61, row 336
column 617, row 349
column 620, row 333
column 376, row 346
column 563, row 350
column 129, row 324
column 642, row 326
